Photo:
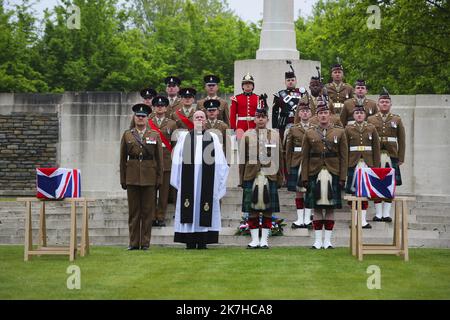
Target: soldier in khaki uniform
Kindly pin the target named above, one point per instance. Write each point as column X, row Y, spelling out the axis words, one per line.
column 392, row 139
column 364, row 151
column 212, row 123
column 148, row 94
column 294, row 157
column 212, row 87
column 141, row 171
column 360, row 99
column 165, row 128
column 173, row 88
column 183, row 115
column 261, row 174
column 324, row 169
column 334, row 118
column 338, row 90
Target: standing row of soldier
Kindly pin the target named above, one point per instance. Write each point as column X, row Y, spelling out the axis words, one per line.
column 322, row 138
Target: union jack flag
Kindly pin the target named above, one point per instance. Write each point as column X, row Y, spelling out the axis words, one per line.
column 375, row 183
column 58, row 183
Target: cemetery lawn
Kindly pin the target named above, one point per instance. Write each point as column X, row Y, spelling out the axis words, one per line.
column 224, row 273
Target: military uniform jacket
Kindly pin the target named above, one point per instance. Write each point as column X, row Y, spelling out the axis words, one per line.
column 363, row 142
column 224, row 111
column 218, row 125
column 141, row 164
column 313, row 106
column 279, row 106
column 173, row 106
column 392, row 134
column 294, row 142
column 256, row 156
column 242, row 111
column 332, row 154
column 339, row 93
column 177, row 119
column 167, row 128
column 347, row 112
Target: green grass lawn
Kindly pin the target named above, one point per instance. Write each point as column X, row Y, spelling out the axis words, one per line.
column 225, row 273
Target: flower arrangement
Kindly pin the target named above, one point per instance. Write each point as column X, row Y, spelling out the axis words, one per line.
column 276, row 230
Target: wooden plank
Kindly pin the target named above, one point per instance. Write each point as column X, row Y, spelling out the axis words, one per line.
column 381, row 251
column 73, row 230
column 42, row 227
column 353, row 230
column 51, row 252
column 397, row 224
column 28, row 235
column 54, row 248
column 405, row 242
column 83, row 230
column 359, row 230
column 388, row 247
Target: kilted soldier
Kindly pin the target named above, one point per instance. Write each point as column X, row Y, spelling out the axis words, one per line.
column 173, row 88
column 243, row 107
column 359, row 99
column 141, row 171
column 164, row 127
column 261, row 176
column 364, row 151
column 183, row 115
column 392, row 141
column 324, row 169
column 212, row 87
column 294, row 156
column 338, row 90
column 148, row 94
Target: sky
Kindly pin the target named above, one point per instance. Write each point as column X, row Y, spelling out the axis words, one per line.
column 248, row 10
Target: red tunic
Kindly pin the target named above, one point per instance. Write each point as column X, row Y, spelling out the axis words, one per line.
column 242, row 111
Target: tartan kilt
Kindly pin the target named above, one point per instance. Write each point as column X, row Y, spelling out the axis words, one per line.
column 310, row 197
column 247, row 196
column 398, row 175
column 292, row 179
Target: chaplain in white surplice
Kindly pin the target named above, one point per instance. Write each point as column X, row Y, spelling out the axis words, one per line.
column 201, row 183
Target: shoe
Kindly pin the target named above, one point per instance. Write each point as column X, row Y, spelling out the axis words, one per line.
column 252, row 247
column 155, row 223
column 202, row 246
column 162, row 224
column 132, row 248
column 190, row 246
column 367, row 226
column 303, row 226
column 264, row 247
column 309, row 226
column 329, row 247
column 387, row 219
column 145, row 248
column 376, row 219
column 296, row 226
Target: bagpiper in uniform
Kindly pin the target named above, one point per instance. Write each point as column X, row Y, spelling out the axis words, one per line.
column 285, row 104
column 364, row 151
column 173, row 88
column 392, row 140
column 164, row 127
column 324, row 169
column 360, row 99
column 183, row 115
column 261, row 176
column 141, row 171
column 243, row 107
column 294, row 154
column 337, row 90
column 212, row 87
column 212, row 123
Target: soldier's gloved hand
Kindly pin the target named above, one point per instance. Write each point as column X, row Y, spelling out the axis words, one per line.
column 342, row 183
column 124, row 186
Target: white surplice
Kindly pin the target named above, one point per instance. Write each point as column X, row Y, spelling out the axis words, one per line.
column 220, row 179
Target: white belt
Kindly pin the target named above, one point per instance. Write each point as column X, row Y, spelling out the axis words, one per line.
column 297, row 149
column 245, row 118
column 338, row 105
column 361, row 148
column 351, row 122
column 392, row 139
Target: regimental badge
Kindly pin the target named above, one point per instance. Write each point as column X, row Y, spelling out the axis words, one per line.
column 186, row 203
column 394, row 124
column 335, row 139
column 206, row 206
column 370, row 111
column 370, row 136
